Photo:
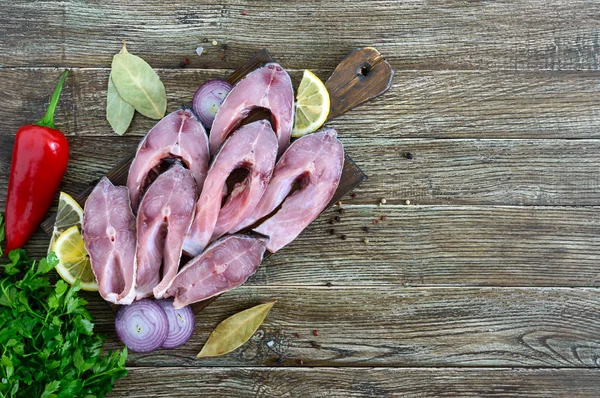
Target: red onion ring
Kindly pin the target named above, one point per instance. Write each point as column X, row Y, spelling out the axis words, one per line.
column 208, row 99
column 142, row 326
column 181, row 324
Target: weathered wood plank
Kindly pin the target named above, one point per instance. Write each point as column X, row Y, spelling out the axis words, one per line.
column 442, row 172
column 421, row 104
column 353, row 382
column 424, row 246
column 449, row 104
column 393, row 326
column 498, row 246
column 455, row 34
column 469, row 172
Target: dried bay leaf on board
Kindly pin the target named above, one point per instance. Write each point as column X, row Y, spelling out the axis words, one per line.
column 138, row 84
column 234, row 331
column 119, row 112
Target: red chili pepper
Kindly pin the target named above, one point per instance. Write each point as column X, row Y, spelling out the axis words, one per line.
column 39, row 161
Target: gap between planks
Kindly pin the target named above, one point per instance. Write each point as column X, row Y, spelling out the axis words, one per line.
column 314, row 70
column 310, row 368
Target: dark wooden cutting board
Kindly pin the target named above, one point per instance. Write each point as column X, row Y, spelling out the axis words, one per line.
column 362, row 75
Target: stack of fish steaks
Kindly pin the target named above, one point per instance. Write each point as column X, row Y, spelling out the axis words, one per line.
column 179, row 202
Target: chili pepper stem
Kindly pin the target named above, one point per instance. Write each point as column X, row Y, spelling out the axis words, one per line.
column 48, row 119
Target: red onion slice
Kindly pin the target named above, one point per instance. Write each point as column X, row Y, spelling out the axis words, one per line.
column 181, row 324
column 208, row 99
column 142, row 326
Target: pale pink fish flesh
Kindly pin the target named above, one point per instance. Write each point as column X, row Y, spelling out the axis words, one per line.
column 164, row 217
column 269, row 87
column 315, row 161
column 225, row 264
column 110, row 239
column 252, row 147
column 178, row 135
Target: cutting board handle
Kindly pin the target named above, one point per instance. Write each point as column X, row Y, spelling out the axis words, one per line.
column 362, row 75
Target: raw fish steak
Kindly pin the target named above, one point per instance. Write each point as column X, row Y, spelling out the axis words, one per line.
column 315, row 162
column 225, row 264
column 252, row 147
column 163, row 219
column 269, row 87
column 178, row 135
column 109, row 237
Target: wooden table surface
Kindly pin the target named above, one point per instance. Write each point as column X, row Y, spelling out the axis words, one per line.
column 485, row 284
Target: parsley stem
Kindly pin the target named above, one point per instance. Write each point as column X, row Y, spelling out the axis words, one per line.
column 90, row 380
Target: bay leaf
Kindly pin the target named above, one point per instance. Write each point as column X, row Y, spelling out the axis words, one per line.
column 119, row 112
column 139, row 84
column 234, row 331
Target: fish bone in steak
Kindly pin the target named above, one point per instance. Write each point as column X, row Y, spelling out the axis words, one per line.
column 178, row 135
column 109, row 238
column 314, row 163
column 252, row 147
column 164, row 217
column 268, row 87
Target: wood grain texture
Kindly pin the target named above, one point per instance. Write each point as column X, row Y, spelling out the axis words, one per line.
column 537, row 34
column 495, row 246
column 420, row 104
column 479, row 172
column 481, row 104
column 353, row 382
column 394, row 326
column 442, row 172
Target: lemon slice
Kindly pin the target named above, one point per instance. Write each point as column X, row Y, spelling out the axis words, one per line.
column 312, row 105
column 69, row 214
column 74, row 261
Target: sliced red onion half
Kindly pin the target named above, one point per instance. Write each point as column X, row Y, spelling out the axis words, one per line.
column 142, row 326
column 208, row 99
column 181, row 324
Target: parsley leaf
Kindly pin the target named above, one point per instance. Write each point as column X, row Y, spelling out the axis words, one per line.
column 47, row 340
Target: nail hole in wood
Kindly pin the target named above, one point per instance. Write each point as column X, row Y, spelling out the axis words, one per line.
column 364, row 70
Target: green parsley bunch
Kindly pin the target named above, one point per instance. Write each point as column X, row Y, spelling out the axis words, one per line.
column 47, row 343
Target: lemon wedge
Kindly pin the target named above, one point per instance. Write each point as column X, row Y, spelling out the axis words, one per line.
column 69, row 214
column 74, row 262
column 312, row 105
